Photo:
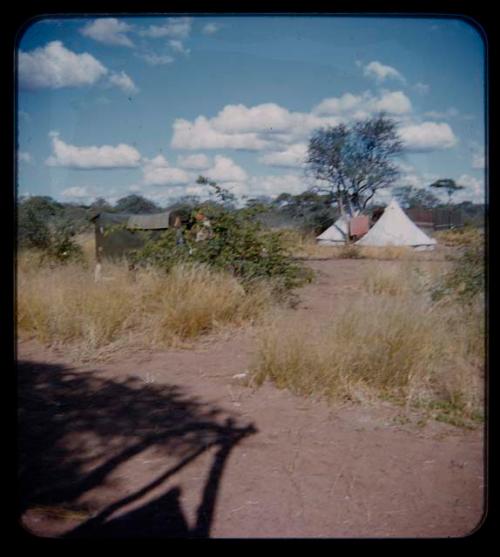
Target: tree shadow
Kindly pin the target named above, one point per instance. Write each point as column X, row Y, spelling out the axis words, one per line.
column 77, row 427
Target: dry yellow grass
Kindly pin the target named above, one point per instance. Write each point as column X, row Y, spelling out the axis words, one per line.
column 465, row 236
column 305, row 246
column 392, row 341
column 64, row 305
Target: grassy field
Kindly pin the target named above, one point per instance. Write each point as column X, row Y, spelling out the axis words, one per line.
column 64, row 305
column 394, row 341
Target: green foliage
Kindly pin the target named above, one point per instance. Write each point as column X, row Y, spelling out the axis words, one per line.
column 136, row 204
column 235, row 242
column 62, row 247
column 355, row 161
column 44, row 225
column 466, row 280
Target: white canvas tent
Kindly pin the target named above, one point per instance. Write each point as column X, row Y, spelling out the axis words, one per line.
column 394, row 228
column 337, row 233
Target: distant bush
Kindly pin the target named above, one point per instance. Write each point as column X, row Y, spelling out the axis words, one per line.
column 235, row 243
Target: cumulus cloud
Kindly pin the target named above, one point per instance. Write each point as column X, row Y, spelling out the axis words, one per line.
column 474, row 189
column 365, row 105
column 210, row 28
column 194, row 162
column 158, row 172
column 381, row 72
column 108, row 30
column 264, row 126
column 124, row 82
column 174, row 28
column 226, row 170
column 428, row 136
column 201, row 134
column 54, row 66
column 84, row 158
column 292, row 156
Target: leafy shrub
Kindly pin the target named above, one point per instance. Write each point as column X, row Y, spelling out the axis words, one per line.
column 236, row 243
column 466, row 280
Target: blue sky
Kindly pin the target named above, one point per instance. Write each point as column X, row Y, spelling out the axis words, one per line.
column 113, row 106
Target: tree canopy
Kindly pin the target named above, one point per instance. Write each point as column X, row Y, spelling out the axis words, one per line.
column 136, row 204
column 353, row 162
column 450, row 186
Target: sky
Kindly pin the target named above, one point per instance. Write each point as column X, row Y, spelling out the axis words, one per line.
column 111, row 106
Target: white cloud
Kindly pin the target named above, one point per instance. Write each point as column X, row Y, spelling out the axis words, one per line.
column 428, row 136
column 201, row 134
column 77, row 192
column 54, row 66
column 108, row 30
column 123, row 81
column 436, row 115
column 158, row 172
column 381, row 72
column 364, row 105
column 23, row 156
column 274, row 185
column 226, row 170
column 178, row 46
column 292, row 156
column 106, row 156
column 156, row 59
column 210, row 28
column 478, row 161
column 473, row 191
column 174, row 28
column 194, row 162
column 265, row 126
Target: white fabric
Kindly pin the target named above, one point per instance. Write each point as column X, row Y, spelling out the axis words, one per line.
column 333, row 234
column 394, row 228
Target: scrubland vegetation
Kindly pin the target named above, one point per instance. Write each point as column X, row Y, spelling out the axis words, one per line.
column 414, row 335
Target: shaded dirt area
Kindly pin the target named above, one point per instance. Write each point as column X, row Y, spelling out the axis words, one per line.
column 171, row 444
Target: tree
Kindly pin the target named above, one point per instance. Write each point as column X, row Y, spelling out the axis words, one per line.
column 409, row 197
column 354, row 162
column 449, row 185
column 136, row 204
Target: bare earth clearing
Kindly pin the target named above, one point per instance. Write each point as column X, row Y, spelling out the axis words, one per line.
column 170, row 443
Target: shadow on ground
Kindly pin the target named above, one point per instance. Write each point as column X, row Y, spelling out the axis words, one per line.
column 76, row 428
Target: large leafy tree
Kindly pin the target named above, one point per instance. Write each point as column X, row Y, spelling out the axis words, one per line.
column 353, row 162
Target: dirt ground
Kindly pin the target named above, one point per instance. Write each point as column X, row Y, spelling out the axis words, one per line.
column 172, row 444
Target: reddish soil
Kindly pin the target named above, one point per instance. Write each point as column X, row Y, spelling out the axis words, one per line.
column 170, row 443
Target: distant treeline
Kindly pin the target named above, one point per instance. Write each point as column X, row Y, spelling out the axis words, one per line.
column 308, row 211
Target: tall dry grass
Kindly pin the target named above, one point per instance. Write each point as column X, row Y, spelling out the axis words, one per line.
column 64, row 305
column 392, row 342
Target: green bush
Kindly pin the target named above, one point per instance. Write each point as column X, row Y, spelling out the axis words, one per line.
column 236, row 243
column 466, row 280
